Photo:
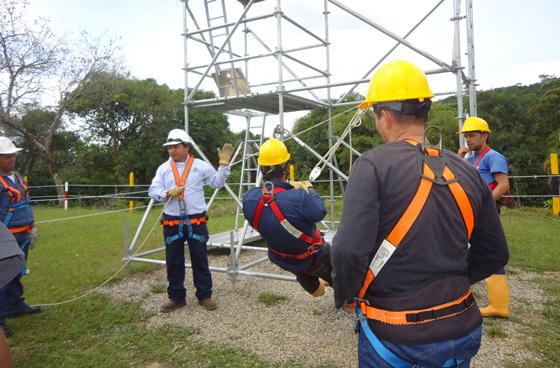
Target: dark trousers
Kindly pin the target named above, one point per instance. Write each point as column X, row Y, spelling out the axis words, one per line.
column 175, row 262
column 320, row 268
column 11, row 295
column 427, row 355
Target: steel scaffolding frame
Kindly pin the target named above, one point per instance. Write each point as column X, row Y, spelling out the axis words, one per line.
column 236, row 96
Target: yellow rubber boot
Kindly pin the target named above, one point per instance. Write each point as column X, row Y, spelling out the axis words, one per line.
column 498, row 297
column 320, row 290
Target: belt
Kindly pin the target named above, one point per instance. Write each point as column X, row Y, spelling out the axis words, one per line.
column 193, row 221
column 21, row 229
column 445, row 310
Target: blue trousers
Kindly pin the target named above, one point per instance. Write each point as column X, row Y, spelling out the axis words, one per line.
column 422, row 355
column 11, row 295
column 175, row 262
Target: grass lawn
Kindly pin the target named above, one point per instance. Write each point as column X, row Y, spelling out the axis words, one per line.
column 76, row 255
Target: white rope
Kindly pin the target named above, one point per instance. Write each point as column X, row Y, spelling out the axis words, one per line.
column 355, row 122
column 88, row 215
column 91, row 291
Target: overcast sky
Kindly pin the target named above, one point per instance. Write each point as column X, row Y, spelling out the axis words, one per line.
column 515, row 41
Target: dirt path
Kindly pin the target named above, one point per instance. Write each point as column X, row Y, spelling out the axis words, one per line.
column 310, row 330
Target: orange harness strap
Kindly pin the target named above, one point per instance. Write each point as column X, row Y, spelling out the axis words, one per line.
column 462, row 201
column 445, row 310
column 13, row 190
column 194, row 221
column 395, row 237
column 21, row 229
column 180, row 181
column 389, row 245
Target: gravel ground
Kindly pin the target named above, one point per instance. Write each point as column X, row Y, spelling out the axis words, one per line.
column 309, row 330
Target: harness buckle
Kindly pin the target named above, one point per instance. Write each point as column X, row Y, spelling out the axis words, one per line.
column 315, row 248
column 354, row 317
column 361, row 300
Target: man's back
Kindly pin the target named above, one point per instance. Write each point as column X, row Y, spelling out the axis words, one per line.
column 301, row 209
column 433, row 252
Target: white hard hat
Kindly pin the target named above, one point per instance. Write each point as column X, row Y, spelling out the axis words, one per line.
column 177, row 136
column 7, row 147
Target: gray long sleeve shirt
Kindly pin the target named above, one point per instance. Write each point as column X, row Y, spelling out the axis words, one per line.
column 380, row 187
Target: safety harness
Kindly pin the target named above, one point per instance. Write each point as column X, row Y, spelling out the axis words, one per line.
column 433, row 168
column 477, row 163
column 183, row 218
column 268, row 200
column 18, row 200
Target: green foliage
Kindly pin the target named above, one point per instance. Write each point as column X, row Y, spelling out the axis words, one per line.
column 533, row 241
column 270, row 299
column 363, row 138
column 158, row 288
column 524, row 121
column 494, row 329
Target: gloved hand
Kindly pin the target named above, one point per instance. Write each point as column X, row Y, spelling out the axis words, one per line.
column 305, row 185
column 33, row 237
column 174, row 192
column 225, row 154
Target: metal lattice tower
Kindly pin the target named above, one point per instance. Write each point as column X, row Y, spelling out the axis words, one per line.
column 229, row 56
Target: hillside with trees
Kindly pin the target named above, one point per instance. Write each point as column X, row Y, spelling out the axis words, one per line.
column 525, row 124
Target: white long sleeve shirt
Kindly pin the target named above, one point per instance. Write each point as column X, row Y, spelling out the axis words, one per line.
column 201, row 174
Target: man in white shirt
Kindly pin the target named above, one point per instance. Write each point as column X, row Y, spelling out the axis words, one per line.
column 179, row 184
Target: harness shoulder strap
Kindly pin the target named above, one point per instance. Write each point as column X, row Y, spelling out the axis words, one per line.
column 267, row 200
column 482, row 154
column 393, row 240
column 181, row 180
column 14, row 193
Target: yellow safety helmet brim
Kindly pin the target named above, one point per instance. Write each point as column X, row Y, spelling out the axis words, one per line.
column 397, row 81
column 273, row 152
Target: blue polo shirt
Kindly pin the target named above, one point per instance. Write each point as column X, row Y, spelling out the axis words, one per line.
column 493, row 162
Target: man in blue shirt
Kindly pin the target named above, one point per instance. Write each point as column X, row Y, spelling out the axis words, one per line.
column 179, row 183
column 285, row 213
column 492, row 166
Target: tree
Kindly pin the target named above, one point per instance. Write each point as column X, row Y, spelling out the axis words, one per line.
column 129, row 118
column 34, row 64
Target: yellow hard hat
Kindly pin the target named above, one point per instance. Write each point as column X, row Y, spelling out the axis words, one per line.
column 475, row 124
column 397, row 81
column 273, row 152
